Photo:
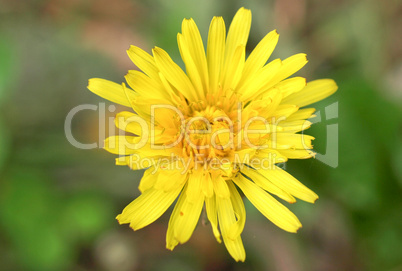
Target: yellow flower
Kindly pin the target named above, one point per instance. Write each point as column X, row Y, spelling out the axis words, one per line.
column 219, row 127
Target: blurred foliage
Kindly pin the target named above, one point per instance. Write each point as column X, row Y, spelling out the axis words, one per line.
column 58, row 203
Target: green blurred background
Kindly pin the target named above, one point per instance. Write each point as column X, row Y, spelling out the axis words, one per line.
column 58, row 202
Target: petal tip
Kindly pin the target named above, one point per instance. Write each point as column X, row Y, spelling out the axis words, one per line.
column 300, row 226
column 170, row 247
column 118, row 218
column 243, row 9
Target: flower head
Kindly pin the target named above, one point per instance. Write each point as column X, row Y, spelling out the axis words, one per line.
column 221, row 126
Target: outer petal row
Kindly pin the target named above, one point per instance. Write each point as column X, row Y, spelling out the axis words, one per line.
column 314, row 91
column 110, row 91
column 267, row 205
column 147, row 208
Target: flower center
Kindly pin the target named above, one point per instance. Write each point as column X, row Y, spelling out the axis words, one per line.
column 208, row 135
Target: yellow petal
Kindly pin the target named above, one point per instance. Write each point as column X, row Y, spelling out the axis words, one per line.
column 135, row 161
column 134, row 101
column 110, row 91
column 294, row 126
column 267, row 185
column 150, row 151
column 171, row 241
column 197, row 52
column 289, row 66
column 191, row 67
column 227, row 219
column 194, row 189
column 188, row 217
column 148, row 207
column 314, row 91
column 268, row 206
column 287, row 182
column 275, row 96
column 143, row 61
column 239, row 210
column 258, row 83
column 297, row 154
column 294, row 141
column 170, row 178
column 207, row 185
column 220, row 187
column 122, row 145
column 291, row 85
column 130, row 122
column 148, row 179
column 243, row 156
column 210, row 207
column 215, row 51
column 167, row 117
column 238, row 33
column 233, row 68
column 302, row 114
column 259, row 56
column 174, row 74
column 145, row 86
column 225, row 214
column 283, row 111
column 173, row 93
column 268, row 157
